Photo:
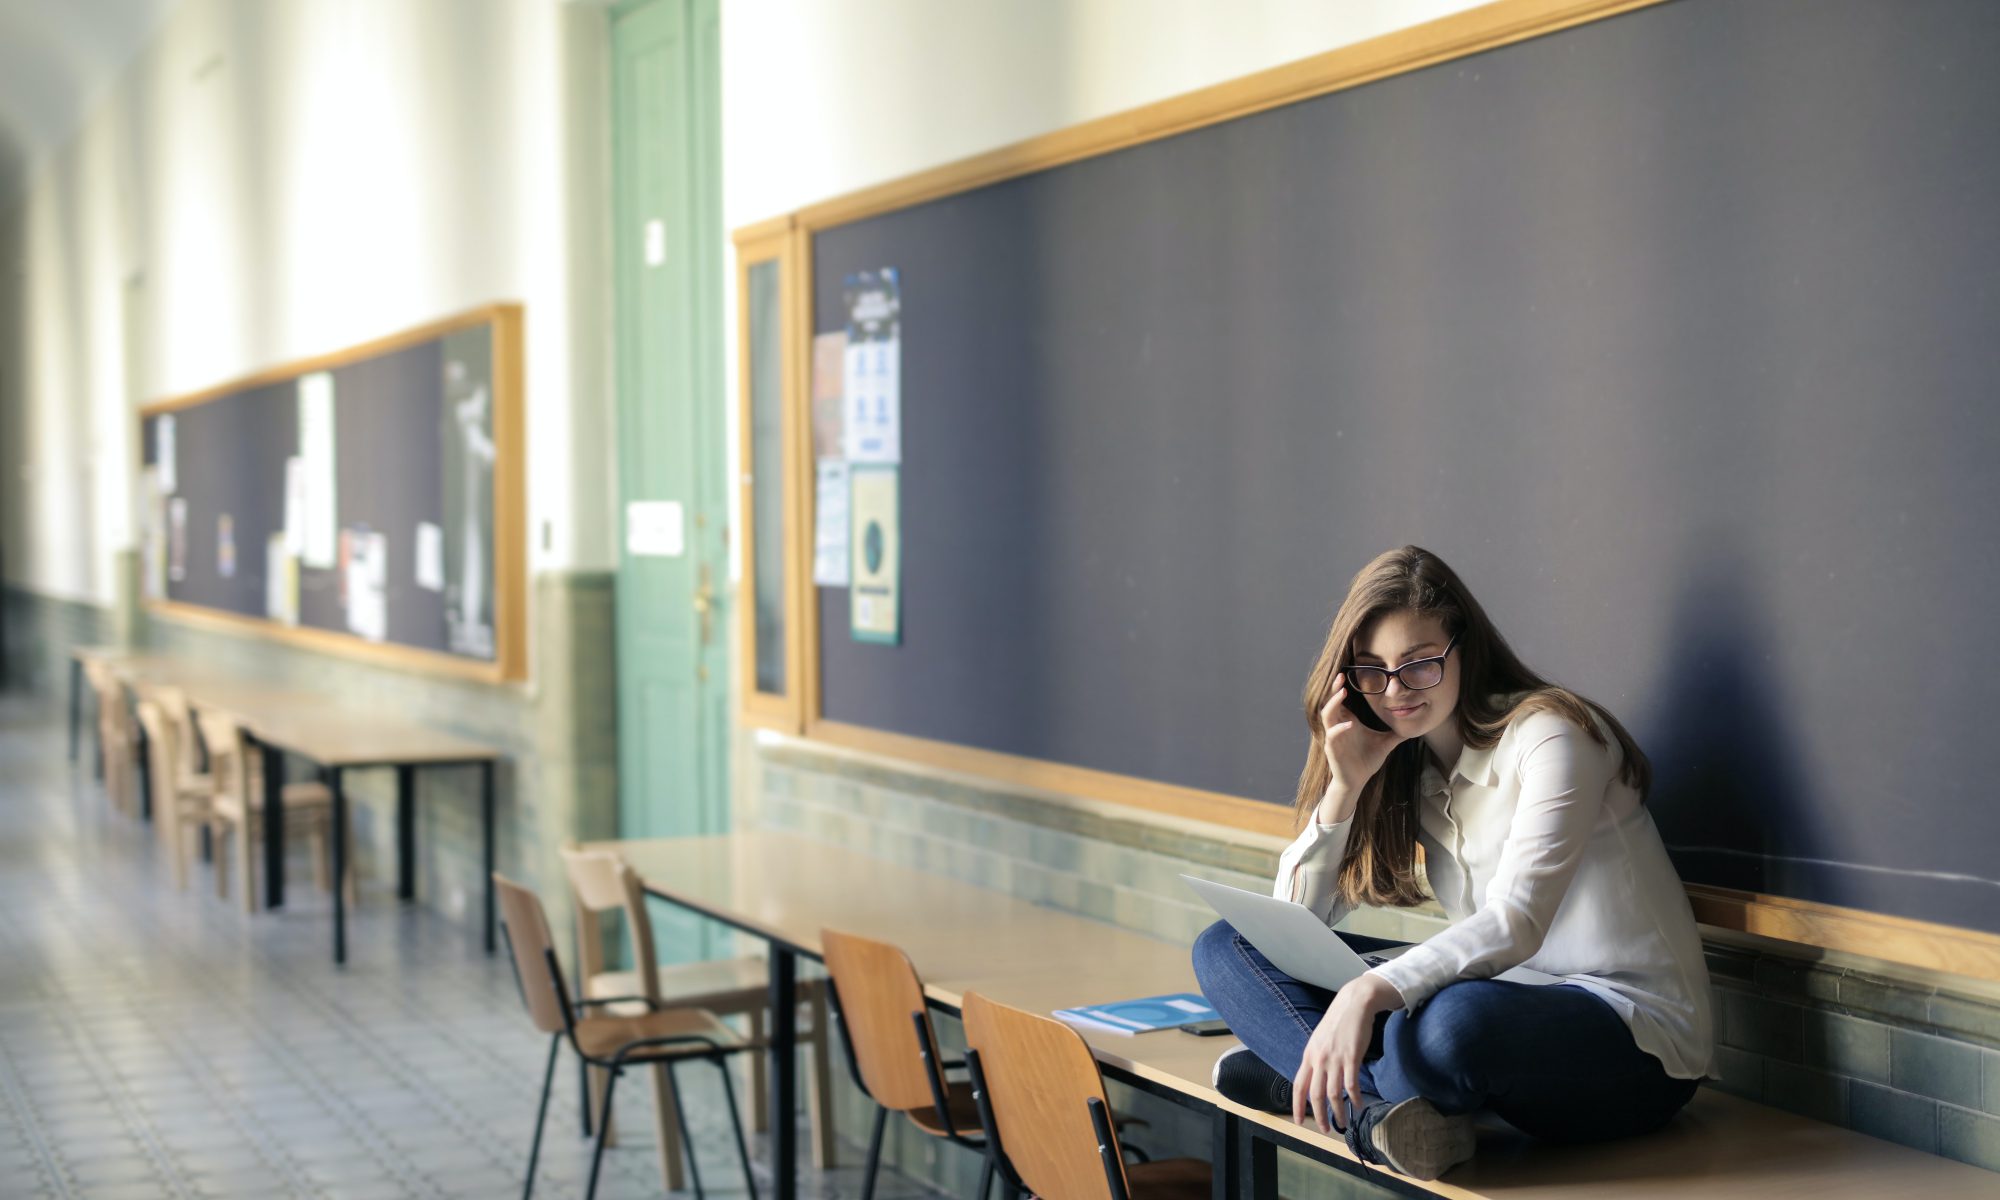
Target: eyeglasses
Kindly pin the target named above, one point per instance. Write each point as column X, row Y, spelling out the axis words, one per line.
column 1416, row 674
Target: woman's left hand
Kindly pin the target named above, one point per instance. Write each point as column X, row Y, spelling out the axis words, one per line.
column 1330, row 1075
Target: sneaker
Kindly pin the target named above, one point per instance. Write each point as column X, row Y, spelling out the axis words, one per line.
column 1412, row 1137
column 1248, row 1080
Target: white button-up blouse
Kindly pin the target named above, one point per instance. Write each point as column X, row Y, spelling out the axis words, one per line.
column 1542, row 857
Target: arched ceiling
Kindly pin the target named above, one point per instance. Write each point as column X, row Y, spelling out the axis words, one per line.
column 56, row 59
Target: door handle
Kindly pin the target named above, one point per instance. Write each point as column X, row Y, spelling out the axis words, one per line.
column 704, row 604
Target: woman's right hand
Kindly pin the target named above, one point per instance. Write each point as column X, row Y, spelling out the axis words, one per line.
column 1353, row 752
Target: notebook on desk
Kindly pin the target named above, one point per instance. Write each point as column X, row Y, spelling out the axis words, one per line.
column 1300, row 944
column 1140, row 1016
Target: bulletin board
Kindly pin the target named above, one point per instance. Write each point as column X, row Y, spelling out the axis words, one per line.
column 366, row 501
column 1668, row 325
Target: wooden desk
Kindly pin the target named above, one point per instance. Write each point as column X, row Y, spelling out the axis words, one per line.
column 963, row 938
column 337, row 741
column 284, row 720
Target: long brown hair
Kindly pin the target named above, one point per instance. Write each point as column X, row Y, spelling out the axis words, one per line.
column 1495, row 687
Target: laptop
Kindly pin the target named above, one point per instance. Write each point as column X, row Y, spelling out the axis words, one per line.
column 1303, row 946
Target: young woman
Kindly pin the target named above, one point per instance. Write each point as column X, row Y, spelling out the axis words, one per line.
column 1528, row 802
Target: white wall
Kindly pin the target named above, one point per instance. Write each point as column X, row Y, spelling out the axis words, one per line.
column 285, row 179
column 822, row 97
column 290, row 177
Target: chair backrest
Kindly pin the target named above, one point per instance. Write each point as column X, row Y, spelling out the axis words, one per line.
column 173, row 704
column 1040, row 1078
column 602, row 882
column 529, row 941
column 162, row 753
column 113, row 716
column 228, row 764
column 878, row 989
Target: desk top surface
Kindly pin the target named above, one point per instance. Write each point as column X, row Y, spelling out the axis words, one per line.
column 963, row 937
column 306, row 723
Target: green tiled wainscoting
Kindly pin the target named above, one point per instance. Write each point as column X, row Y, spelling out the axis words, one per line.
column 1910, row 1059
column 558, row 730
column 39, row 631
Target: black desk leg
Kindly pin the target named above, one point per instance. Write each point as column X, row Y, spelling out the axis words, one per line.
column 274, row 827
column 1256, row 1162
column 784, row 1076
column 406, row 832
column 486, row 835
column 145, row 775
column 339, row 834
column 1222, row 1150
column 75, row 704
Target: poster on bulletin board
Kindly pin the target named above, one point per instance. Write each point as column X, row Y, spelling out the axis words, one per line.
column 872, row 387
column 874, row 594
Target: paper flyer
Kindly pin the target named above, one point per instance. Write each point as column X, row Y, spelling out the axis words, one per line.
column 225, row 546
column 164, row 453
column 320, row 509
column 177, row 539
column 830, row 524
column 152, row 535
column 365, row 555
column 430, row 556
column 829, row 370
column 875, row 606
column 871, row 381
column 281, row 581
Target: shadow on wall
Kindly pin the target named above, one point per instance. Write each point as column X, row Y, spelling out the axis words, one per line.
column 1728, row 791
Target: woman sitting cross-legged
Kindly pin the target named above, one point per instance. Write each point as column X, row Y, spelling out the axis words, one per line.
column 1528, row 801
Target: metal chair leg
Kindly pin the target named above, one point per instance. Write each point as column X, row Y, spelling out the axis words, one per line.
column 541, row 1112
column 583, row 1095
column 736, row 1122
column 687, row 1139
column 603, row 1127
column 985, row 1178
column 874, row 1153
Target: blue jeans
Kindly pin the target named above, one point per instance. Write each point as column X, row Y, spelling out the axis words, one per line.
column 1554, row 1062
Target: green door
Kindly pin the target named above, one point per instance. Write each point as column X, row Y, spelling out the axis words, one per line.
column 672, row 569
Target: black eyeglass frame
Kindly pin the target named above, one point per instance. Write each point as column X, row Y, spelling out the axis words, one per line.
column 1347, row 672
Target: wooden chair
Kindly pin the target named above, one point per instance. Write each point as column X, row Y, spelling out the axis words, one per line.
column 602, row 883
column 659, row 1036
column 188, row 750
column 1045, row 1115
column 238, row 808
column 117, row 737
column 893, row 1050
column 180, row 801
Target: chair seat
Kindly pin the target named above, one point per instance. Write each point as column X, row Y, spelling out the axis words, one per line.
column 602, row 1037
column 729, row 984
column 1169, row 1179
column 300, row 799
column 963, row 1108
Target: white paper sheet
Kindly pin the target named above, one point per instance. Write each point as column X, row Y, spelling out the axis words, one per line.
column 320, row 544
column 830, row 533
column 165, row 453
column 430, row 556
column 367, row 583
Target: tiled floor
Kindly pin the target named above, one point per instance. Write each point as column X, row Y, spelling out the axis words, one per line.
column 163, row 1044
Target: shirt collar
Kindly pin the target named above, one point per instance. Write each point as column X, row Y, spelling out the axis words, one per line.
column 1476, row 766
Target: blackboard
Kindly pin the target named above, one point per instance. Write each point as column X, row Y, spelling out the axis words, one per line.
column 424, row 466
column 1672, row 332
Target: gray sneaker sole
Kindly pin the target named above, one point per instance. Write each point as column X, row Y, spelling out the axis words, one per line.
column 1421, row 1142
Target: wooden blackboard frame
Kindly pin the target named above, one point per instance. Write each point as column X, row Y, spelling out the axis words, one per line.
column 1889, row 938
column 510, row 659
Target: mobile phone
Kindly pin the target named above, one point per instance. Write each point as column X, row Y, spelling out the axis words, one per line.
column 1358, row 705
column 1206, row 1028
